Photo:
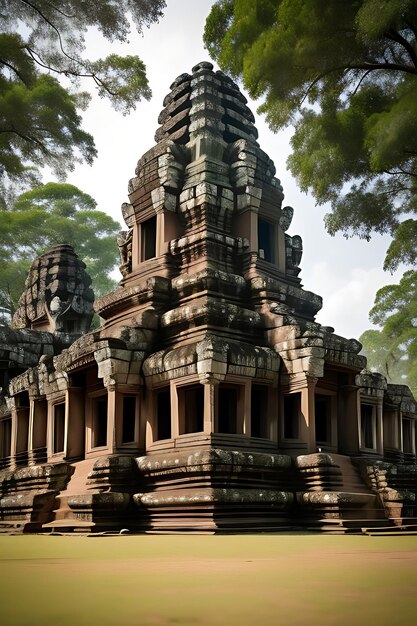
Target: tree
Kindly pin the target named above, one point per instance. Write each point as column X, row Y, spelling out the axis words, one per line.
column 345, row 75
column 393, row 349
column 51, row 214
column 43, row 41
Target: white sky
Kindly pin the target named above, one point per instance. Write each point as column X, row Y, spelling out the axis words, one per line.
column 346, row 273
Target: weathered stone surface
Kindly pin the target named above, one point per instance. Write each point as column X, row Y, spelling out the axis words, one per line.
column 208, row 460
column 371, row 381
column 106, row 501
column 402, row 397
column 48, row 476
column 213, row 356
column 109, row 471
column 315, row 460
column 342, row 499
column 216, row 496
column 57, row 292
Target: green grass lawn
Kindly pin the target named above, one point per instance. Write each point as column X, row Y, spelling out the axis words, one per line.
column 208, row 580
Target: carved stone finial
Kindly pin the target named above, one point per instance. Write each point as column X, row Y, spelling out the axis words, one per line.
column 294, row 253
column 124, row 241
column 285, row 220
column 58, row 296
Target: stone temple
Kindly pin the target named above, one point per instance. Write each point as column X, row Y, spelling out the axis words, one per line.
column 209, row 399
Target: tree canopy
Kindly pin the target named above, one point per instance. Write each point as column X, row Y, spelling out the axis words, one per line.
column 345, row 75
column 393, row 349
column 51, row 214
column 41, row 41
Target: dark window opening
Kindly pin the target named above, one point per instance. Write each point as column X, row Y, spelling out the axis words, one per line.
column 228, row 398
column 192, row 404
column 266, row 237
column 407, row 445
column 367, row 426
column 22, row 432
column 22, row 399
column 78, row 379
column 40, row 423
column 163, row 413
column 129, row 419
column 259, row 411
column 322, row 419
column 415, row 438
column 100, row 423
column 59, row 427
column 6, row 438
column 148, row 239
column 292, row 407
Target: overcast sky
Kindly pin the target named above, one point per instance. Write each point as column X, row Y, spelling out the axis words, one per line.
column 346, row 273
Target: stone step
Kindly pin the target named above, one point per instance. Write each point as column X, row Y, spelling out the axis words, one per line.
column 12, row 527
column 68, row 523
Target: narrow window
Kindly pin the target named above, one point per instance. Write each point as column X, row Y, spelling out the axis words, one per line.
column 129, row 419
column 407, row 444
column 266, row 238
column 322, row 419
column 22, row 435
column 367, row 426
column 78, row 379
column 191, row 401
column 59, row 427
column 40, row 423
column 148, row 239
column 6, row 438
column 292, row 406
column 415, row 438
column 259, row 411
column 228, row 398
column 22, row 400
column 163, row 414
column 100, row 422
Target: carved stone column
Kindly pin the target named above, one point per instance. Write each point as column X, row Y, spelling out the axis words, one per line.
column 349, row 420
column 308, row 425
column 210, row 388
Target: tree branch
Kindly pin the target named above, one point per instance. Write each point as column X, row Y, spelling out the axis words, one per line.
column 13, row 69
column 35, row 8
column 397, row 67
column 360, row 82
column 360, row 66
column 25, row 137
column 61, row 12
column 400, row 172
column 395, row 36
column 67, row 72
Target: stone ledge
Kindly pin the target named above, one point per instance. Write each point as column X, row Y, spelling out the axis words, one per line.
column 332, row 498
column 205, row 460
column 281, row 499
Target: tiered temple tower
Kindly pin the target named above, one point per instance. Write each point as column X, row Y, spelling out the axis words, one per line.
column 209, row 399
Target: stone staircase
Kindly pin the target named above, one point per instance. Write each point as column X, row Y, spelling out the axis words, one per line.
column 97, row 498
column 64, row 518
column 28, row 495
column 396, row 488
column 335, row 498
